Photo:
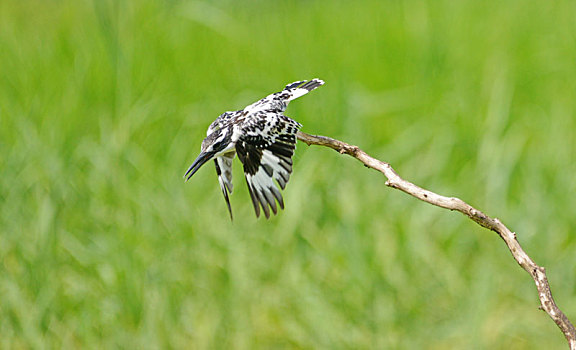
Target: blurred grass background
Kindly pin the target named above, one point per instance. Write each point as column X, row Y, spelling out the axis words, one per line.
column 103, row 105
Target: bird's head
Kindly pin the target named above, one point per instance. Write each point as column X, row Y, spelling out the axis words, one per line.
column 215, row 144
column 217, row 140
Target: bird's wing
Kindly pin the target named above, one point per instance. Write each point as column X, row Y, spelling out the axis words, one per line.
column 278, row 101
column 224, row 170
column 265, row 148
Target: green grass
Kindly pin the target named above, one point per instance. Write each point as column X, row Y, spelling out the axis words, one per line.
column 103, row 106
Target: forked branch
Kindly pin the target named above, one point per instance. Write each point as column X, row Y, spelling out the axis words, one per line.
column 538, row 273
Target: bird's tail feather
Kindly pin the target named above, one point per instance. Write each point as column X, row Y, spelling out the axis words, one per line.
column 299, row 88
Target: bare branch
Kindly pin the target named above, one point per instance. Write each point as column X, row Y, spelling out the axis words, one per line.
column 538, row 273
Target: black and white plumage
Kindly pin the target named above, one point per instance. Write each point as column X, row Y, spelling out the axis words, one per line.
column 264, row 139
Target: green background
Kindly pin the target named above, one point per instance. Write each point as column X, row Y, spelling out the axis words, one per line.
column 104, row 104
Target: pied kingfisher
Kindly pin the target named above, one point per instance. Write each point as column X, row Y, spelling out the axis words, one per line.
column 264, row 139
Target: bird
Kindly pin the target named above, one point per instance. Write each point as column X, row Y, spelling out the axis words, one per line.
column 264, row 139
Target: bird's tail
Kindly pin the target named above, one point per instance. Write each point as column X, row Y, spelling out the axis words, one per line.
column 299, row 88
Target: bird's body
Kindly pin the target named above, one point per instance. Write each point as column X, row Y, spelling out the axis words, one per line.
column 264, row 139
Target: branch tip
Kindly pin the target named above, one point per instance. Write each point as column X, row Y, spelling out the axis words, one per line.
column 453, row 203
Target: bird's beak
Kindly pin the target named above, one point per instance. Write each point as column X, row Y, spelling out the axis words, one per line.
column 202, row 158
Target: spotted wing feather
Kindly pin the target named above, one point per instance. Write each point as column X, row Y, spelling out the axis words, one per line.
column 267, row 156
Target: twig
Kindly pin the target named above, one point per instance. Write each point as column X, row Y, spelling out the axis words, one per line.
column 538, row 273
